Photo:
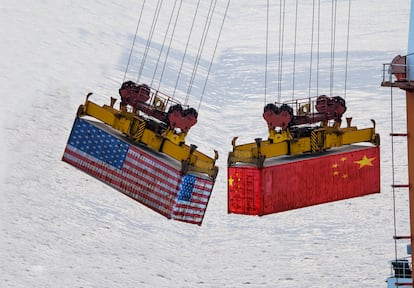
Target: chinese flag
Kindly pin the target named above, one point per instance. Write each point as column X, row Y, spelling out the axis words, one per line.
column 244, row 193
column 338, row 174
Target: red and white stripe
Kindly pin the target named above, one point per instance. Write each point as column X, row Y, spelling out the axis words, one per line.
column 147, row 180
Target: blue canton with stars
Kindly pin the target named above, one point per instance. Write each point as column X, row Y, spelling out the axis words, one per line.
column 98, row 143
column 186, row 187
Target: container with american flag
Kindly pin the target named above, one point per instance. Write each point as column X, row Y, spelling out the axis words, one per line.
column 152, row 179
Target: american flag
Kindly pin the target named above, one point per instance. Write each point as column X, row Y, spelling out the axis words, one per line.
column 137, row 173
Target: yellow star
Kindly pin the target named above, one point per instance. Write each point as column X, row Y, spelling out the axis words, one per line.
column 335, row 173
column 231, row 181
column 365, row 161
column 334, row 165
column 343, row 159
column 344, row 176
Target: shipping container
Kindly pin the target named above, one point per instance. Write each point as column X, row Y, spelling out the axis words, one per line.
column 153, row 179
column 292, row 182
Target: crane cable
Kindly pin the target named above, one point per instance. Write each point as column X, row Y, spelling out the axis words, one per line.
column 149, row 40
column 186, row 47
column 201, row 47
column 282, row 12
column 133, row 42
column 316, row 18
column 333, row 36
column 163, row 42
column 214, row 53
column 294, row 50
column 169, row 46
column 393, row 174
column 318, row 48
column 311, row 48
column 347, row 48
column 267, row 51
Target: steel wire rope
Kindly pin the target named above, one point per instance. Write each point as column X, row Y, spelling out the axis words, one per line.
column 201, row 48
column 294, row 50
column 311, row 48
column 186, row 47
column 318, row 48
column 282, row 13
column 266, row 51
column 393, row 172
column 214, row 53
column 169, row 45
column 163, row 43
column 333, row 36
column 133, row 41
column 149, row 40
column 347, row 48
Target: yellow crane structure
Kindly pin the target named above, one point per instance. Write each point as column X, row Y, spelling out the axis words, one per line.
column 143, row 128
column 293, row 131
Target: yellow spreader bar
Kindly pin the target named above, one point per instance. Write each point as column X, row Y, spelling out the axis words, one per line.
column 156, row 136
column 283, row 143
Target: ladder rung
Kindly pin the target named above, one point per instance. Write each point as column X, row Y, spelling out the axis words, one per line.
column 404, row 284
column 400, row 186
column 399, row 134
column 401, row 237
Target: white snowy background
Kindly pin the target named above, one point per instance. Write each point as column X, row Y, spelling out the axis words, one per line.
column 62, row 228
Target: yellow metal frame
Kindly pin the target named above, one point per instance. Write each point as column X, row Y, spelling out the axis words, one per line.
column 283, row 143
column 167, row 141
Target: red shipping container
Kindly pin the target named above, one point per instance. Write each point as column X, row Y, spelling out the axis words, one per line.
column 152, row 179
column 291, row 182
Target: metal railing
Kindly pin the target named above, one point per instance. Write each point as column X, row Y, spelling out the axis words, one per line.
column 395, row 72
column 401, row 268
